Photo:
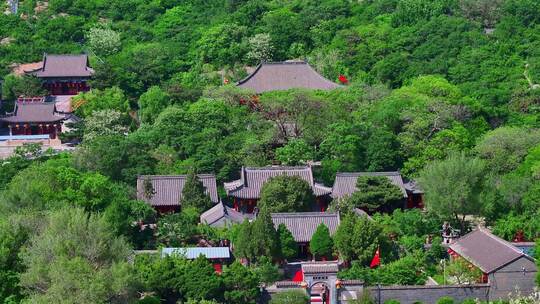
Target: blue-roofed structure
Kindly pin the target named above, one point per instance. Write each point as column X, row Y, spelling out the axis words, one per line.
column 191, row 253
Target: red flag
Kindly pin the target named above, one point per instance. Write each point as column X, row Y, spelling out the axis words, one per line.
column 343, row 79
column 376, row 259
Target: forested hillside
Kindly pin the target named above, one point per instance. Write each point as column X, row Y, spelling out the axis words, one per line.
column 446, row 92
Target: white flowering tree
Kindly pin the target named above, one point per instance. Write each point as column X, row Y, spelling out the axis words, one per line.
column 103, row 41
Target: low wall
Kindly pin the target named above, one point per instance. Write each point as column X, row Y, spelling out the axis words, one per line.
column 429, row 294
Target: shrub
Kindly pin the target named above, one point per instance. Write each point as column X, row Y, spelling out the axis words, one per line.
column 445, row 300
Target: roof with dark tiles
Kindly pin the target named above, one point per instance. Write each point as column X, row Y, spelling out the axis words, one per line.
column 345, row 183
column 278, row 76
column 252, row 179
column 486, row 251
column 167, row 189
column 63, row 66
column 302, row 225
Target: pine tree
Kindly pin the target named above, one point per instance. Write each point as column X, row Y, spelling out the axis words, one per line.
column 194, row 194
column 289, row 248
column 321, row 243
column 264, row 237
column 243, row 244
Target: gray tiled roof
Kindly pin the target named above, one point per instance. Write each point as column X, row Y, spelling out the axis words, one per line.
column 252, row 179
column 219, row 211
column 284, row 76
column 345, row 183
column 64, row 66
column 323, row 267
column 168, row 188
column 302, row 225
column 34, row 112
column 485, row 250
column 413, row 187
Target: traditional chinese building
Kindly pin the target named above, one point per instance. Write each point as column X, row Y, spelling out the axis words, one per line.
column 279, row 76
column 303, row 225
column 64, row 74
column 504, row 267
column 246, row 191
column 218, row 256
column 345, row 185
column 164, row 192
column 34, row 116
column 222, row 215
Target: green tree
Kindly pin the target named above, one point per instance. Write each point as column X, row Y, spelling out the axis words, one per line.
column 267, row 272
column 103, row 41
column 266, row 235
column 286, row 194
column 108, row 99
column 15, row 86
column 241, row 284
column 321, row 243
column 357, row 238
column 290, row 297
column 376, row 193
column 104, row 123
column 177, row 229
column 152, row 103
column 461, row 272
column 295, row 152
column 289, row 247
column 194, row 194
column 452, row 187
column 85, row 263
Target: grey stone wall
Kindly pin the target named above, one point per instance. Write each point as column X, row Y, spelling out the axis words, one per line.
column 518, row 275
column 428, row 294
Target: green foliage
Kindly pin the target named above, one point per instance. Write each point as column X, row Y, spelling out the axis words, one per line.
column 357, row 238
column 321, row 243
column 391, row 301
column 104, row 123
column 84, row 263
column 376, row 193
column 290, row 297
column 461, row 272
column 194, row 194
column 241, row 284
column 176, row 278
column 267, row 272
column 295, row 152
column 103, row 41
column 289, row 247
column 15, row 86
column 445, row 300
column 95, row 100
column 152, row 103
column 408, row 270
column 177, row 229
column 452, row 187
column 262, row 230
column 286, row 194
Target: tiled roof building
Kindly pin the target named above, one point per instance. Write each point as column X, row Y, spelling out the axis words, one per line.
column 284, row 76
column 302, row 225
column 505, row 267
column 345, row 183
column 247, row 190
column 166, row 190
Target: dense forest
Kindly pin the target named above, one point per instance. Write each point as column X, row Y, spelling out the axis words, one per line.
column 446, row 92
